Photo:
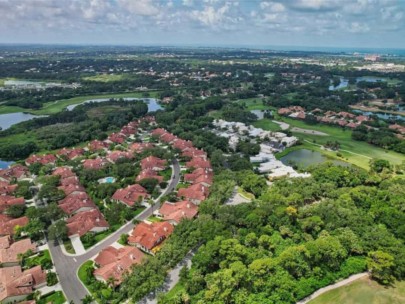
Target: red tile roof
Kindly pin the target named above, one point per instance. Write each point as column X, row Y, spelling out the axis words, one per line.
column 177, row 211
column 115, row 262
column 182, row 144
column 117, row 138
column 116, row 155
column 71, row 153
column 150, row 235
column 74, row 203
column 149, row 173
column 43, row 159
column 153, row 163
column 86, row 221
column 8, row 200
column 194, row 153
column 140, row 147
column 158, row 132
column 198, row 163
column 6, row 188
column 199, row 175
column 14, row 282
column 9, row 251
column 168, row 138
column 63, row 172
column 195, row 193
column 72, row 180
column 130, row 195
column 7, row 224
column 72, row 188
column 17, row 171
column 98, row 145
column 94, row 164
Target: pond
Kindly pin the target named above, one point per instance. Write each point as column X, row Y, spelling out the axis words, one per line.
column 381, row 115
column 305, row 158
column 152, row 103
column 5, row 164
column 7, row 120
column 345, row 82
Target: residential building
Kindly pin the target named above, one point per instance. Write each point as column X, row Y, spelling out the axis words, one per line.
column 10, row 251
column 131, row 195
column 87, row 221
column 175, row 212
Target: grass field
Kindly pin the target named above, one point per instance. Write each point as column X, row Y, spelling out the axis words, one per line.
column 105, row 78
column 59, row 105
column 254, row 104
column 364, row 291
column 267, row 124
column 54, row 298
column 356, row 152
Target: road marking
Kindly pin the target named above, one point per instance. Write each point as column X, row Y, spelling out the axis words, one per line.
column 74, row 259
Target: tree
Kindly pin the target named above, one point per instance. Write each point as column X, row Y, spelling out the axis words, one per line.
column 51, row 279
column 378, row 165
column 88, row 299
column 381, row 265
column 34, row 229
column 58, row 231
column 16, row 210
column 149, row 184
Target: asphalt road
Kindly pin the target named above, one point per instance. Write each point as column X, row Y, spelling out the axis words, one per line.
column 68, row 265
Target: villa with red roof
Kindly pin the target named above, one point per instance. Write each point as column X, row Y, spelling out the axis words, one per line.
column 114, row 156
column 6, row 188
column 198, row 163
column 70, row 153
column 42, row 159
column 87, row 221
column 117, row 138
column 8, row 224
column 149, row 173
column 7, row 201
column 158, row 132
column 175, row 212
column 200, row 175
column 16, row 285
column 148, row 236
column 96, row 145
column 131, row 195
column 72, row 180
column 194, row 153
column 182, row 144
column 94, row 164
column 72, row 189
column 75, row 203
column 153, row 163
column 140, row 147
column 128, row 130
column 114, row 263
column 168, row 138
column 195, row 193
column 10, row 251
column 63, row 172
column 14, row 172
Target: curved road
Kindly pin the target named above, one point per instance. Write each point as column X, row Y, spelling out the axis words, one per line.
column 67, row 266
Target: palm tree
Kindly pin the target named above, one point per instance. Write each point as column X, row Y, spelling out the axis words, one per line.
column 88, row 299
column 111, row 282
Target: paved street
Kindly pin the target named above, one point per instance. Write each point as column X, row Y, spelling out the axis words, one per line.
column 68, row 265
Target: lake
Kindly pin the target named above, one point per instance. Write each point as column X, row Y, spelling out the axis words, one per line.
column 152, row 103
column 7, row 120
column 381, row 115
column 305, row 158
column 5, row 164
column 345, row 82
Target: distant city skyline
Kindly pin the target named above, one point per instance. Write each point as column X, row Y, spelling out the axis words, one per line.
column 249, row 23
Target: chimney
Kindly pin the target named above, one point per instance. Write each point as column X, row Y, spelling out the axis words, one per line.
column 165, row 229
column 188, row 205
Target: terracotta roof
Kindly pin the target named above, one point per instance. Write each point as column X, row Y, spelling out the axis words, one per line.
column 7, row 224
column 199, row 175
column 128, row 130
column 98, row 145
column 194, row 153
column 152, row 162
column 85, row 221
column 115, row 262
column 149, row 173
column 177, row 211
column 17, row 171
column 72, row 188
column 150, row 235
column 182, row 144
column 15, row 282
column 63, row 172
column 116, row 155
column 140, row 147
column 72, row 180
column 168, row 137
column 94, row 164
column 43, row 159
column 117, row 138
column 131, row 194
column 196, row 192
column 158, row 132
column 71, row 153
column 7, row 200
column 198, row 163
column 9, row 253
column 6, row 188
column 75, row 203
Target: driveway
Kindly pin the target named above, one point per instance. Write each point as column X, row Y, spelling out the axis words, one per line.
column 67, row 265
column 78, row 245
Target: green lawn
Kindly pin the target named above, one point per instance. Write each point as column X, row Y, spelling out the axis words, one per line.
column 105, row 78
column 362, row 152
column 167, row 173
column 38, row 259
column 154, row 219
column 59, row 105
column 54, row 298
column 245, row 194
column 69, row 247
column 267, row 124
column 254, row 104
column 364, row 291
column 82, row 272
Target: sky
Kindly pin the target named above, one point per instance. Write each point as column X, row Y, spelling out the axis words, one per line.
column 311, row 23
